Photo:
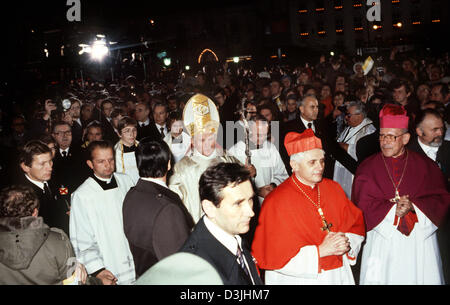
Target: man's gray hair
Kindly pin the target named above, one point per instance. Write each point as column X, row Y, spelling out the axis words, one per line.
column 302, row 101
column 360, row 107
column 298, row 157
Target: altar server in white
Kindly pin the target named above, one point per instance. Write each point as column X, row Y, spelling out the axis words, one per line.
column 96, row 222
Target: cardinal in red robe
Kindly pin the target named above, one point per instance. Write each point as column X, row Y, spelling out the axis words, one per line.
column 308, row 232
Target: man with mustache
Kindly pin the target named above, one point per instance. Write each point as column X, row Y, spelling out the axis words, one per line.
column 309, row 232
column 404, row 200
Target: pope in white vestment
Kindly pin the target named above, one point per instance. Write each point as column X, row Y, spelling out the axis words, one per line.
column 186, row 175
column 96, row 228
column 201, row 119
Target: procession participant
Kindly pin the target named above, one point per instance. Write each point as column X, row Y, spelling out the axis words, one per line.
column 126, row 147
column 96, row 222
column 403, row 197
column 226, row 195
column 358, row 126
column 156, row 222
column 270, row 169
column 178, row 140
column 36, row 164
column 201, row 119
column 309, row 232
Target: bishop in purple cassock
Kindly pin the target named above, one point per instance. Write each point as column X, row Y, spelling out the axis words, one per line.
column 404, row 199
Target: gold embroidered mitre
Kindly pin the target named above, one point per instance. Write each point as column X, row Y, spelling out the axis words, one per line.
column 200, row 115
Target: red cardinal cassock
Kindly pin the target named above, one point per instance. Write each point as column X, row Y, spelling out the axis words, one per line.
column 289, row 221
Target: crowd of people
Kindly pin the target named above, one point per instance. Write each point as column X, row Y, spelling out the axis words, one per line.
column 279, row 176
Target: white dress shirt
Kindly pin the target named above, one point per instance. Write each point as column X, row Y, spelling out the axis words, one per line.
column 430, row 151
column 227, row 240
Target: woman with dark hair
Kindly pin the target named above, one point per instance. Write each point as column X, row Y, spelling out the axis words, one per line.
column 124, row 149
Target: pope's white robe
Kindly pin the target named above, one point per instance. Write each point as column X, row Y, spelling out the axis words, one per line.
column 351, row 136
column 186, row 175
column 126, row 163
column 303, row 268
column 96, row 228
column 391, row 258
column 178, row 150
column 267, row 161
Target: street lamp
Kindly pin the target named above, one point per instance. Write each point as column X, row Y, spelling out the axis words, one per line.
column 236, row 59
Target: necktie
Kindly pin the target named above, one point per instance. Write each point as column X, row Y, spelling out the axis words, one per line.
column 64, row 153
column 241, row 259
column 47, row 192
column 309, row 125
column 162, row 132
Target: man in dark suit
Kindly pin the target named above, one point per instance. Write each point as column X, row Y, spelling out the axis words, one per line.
column 77, row 126
column 155, row 220
column 145, row 128
column 226, row 195
column 430, row 140
column 308, row 118
column 35, row 160
column 68, row 162
column 109, row 133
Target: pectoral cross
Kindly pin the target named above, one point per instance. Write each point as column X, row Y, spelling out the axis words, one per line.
column 326, row 226
column 396, row 198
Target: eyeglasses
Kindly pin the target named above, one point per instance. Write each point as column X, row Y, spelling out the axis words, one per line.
column 389, row 137
column 65, row 133
column 350, row 114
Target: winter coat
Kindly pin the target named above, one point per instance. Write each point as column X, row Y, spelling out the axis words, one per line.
column 33, row 253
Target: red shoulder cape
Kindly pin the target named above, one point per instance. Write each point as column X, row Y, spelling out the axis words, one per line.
column 288, row 221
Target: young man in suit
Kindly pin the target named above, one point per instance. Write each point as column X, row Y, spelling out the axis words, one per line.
column 36, row 163
column 226, row 196
column 155, row 220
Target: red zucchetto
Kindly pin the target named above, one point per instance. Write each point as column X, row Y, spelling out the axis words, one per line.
column 300, row 142
column 393, row 116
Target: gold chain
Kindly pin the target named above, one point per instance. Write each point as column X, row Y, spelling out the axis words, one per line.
column 317, row 205
column 389, row 174
column 326, row 226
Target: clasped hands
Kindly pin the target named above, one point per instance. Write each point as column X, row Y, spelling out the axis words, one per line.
column 334, row 243
column 404, row 206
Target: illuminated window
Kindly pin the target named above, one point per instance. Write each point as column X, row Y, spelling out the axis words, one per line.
column 357, row 3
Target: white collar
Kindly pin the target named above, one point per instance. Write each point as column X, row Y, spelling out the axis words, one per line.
column 157, row 181
column 305, row 122
column 211, row 156
column 37, row 183
column 103, row 179
column 225, row 238
column 66, row 150
column 428, row 149
column 147, row 121
column 160, row 126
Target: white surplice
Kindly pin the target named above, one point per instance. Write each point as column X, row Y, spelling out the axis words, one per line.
column 126, row 163
column 303, row 269
column 186, row 175
column 267, row 161
column 96, row 228
column 350, row 136
column 178, row 150
column 391, row 258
